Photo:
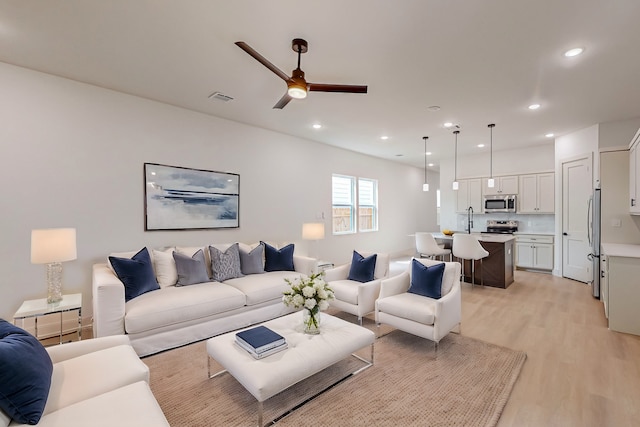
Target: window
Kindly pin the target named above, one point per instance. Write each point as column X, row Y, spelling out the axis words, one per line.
column 367, row 204
column 345, row 204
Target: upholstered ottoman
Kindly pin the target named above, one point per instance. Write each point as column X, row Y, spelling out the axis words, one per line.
column 306, row 355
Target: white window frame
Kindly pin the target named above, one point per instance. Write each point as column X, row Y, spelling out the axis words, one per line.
column 348, row 195
column 368, row 199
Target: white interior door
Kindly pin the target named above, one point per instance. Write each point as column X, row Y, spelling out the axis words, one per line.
column 576, row 189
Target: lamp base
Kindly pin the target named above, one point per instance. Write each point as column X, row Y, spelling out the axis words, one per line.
column 54, row 282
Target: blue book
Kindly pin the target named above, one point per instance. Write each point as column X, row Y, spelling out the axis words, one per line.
column 260, row 338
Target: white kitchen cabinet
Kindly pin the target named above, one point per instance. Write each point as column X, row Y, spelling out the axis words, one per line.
column 634, row 175
column 621, row 289
column 469, row 194
column 537, row 193
column 534, row 251
column 503, row 185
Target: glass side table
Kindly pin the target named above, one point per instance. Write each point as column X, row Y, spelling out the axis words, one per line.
column 42, row 314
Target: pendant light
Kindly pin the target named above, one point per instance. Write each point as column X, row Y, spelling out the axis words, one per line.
column 491, row 182
column 425, row 186
column 455, row 162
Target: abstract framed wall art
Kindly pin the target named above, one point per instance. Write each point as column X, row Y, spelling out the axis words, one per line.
column 179, row 198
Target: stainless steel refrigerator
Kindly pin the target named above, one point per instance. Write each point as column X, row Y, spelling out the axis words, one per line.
column 593, row 234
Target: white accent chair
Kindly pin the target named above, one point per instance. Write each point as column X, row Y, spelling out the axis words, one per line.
column 355, row 297
column 98, row 382
column 425, row 317
column 467, row 246
column 427, row 247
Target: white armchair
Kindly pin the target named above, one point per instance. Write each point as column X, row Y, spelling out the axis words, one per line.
column 419, row 315
column 352, row 296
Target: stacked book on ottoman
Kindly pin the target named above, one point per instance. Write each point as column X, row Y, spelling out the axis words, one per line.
column 260, row 341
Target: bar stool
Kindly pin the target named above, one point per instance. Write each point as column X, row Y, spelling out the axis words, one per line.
column 427, row 247
column 467, row 246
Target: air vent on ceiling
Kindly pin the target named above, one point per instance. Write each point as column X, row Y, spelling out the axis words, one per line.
column 220, row 97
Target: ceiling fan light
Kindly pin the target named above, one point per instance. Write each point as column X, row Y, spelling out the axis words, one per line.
column 296, row 91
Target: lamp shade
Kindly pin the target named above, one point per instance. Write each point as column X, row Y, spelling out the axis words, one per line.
column 313, row 231
column 53, row 245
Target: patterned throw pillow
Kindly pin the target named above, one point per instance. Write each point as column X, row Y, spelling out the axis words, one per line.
column 225, row 265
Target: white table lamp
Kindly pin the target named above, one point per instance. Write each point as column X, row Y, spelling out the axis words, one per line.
column 53, row 246
column 313, row 231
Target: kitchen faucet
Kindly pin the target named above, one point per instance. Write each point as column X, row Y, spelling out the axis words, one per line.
column 469, row 219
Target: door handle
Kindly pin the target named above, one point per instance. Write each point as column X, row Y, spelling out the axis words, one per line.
column 565, row 234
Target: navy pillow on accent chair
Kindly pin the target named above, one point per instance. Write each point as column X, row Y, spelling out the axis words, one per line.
column 278, row 259
column 25, row 377
column 426, row 281
column 136, row 273
column 362, row 269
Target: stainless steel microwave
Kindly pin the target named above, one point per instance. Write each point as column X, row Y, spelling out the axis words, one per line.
column 501, row 203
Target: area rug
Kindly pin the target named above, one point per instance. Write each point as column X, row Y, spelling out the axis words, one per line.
column 467, row 383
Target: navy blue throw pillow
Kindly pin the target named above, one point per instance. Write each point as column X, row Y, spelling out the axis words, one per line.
column 278, row 259
column 362, row 269
column 25, row 376
column 426, row 281
column 136, row 274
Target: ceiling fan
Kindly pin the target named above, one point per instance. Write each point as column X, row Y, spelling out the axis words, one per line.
column 297, row 86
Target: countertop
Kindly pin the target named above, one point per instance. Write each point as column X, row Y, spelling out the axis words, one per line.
column 541, row 233
column 483, row 237
column 620, row 249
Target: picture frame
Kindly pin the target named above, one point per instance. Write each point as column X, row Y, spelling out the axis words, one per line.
column 181, row 198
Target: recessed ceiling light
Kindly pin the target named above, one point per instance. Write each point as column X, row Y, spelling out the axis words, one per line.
column 549, row 135
column 399, row 155
column 317, row 126
column 480, row 145
column 430, row 165
column 448, row 124
column 428, row 153
column 433, row 108
column 574, row 52
column 384, row 137
column 534, row 106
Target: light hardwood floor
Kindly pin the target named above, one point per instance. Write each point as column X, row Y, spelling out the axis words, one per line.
column 578, row 372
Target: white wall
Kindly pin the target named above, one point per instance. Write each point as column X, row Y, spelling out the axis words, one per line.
column 72, row 156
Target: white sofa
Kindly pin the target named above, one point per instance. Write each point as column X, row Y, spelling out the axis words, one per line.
column 98, row 382
column 177, row 315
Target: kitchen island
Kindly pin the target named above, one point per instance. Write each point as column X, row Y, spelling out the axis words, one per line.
column 497, row 268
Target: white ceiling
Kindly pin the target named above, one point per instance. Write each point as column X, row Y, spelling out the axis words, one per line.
column 481, row 61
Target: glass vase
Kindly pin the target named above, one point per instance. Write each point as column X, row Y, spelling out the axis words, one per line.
column 311, row 321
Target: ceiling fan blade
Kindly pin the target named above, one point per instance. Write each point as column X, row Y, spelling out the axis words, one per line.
column 261, row 59
column 323, row 87
column 283, row 101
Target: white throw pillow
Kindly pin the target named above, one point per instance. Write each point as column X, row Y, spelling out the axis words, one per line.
column 165, row 267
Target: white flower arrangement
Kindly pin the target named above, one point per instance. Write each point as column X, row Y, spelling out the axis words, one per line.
column 311, row 293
